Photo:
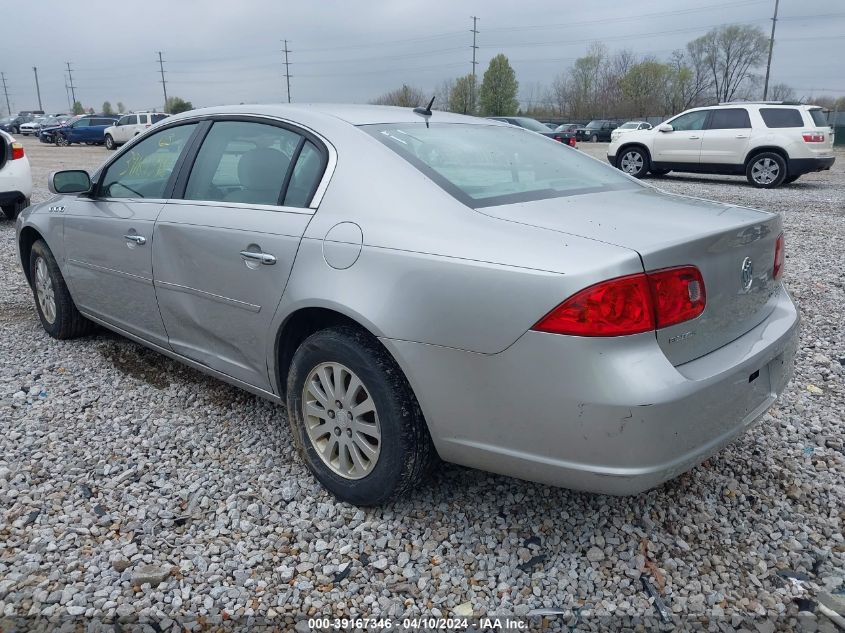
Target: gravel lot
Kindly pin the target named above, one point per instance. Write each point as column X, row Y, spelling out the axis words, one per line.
column 133, row 487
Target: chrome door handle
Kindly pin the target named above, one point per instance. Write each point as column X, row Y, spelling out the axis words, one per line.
column 694, row 137
column 265, row 258
column 742, row 136
column 138, row 239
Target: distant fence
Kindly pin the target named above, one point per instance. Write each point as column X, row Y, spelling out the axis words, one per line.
column 839, row 139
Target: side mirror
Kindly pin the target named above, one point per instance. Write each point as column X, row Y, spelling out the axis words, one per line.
column 69, row 181
column 665, row 127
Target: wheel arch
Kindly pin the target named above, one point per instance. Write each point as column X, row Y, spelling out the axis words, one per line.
column 28, row 237
column 762, row 150
column 630, row 145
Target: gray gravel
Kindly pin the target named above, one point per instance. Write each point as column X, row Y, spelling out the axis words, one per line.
column 133, row 487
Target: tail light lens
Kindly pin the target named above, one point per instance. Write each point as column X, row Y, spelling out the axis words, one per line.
column 777, row 270
column 17, row 151
column 813, row 137
column 630, row 305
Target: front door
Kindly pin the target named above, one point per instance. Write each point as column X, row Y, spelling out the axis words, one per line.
column 223, row 254
column 683, row 143
column 108, row 236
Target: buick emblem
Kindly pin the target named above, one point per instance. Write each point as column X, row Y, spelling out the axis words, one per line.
column 747, row 274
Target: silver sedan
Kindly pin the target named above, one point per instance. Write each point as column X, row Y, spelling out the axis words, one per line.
column 414, row 285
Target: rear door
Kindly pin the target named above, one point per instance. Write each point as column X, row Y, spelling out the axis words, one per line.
column 683, row 144
column 727, row 137
column 109, row 236
column 223, row 253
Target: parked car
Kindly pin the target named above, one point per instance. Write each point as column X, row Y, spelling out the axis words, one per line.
column 595, row 131
column 535, row 126
column 567, row 127
column 47, row 132
column 15, row 177
column 129, row 126
column 32, row 127
column 771, row 143
column 461, row 288
column 90, row 130
column 628, row 127
column 12, row 124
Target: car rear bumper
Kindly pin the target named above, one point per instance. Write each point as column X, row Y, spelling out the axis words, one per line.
column 607, row 415
column 798, row 166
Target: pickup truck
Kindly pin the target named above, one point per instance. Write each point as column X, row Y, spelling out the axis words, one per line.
column 88, row 129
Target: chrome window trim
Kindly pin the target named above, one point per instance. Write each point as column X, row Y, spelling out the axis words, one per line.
column 241, row 205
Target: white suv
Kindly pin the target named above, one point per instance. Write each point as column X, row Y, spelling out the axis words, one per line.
column 771, row 143
column 130, row 126
column 15, row 177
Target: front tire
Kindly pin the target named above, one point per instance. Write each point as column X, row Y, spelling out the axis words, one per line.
column 633, row 161
column 55, row 307
column 61, row 141
column 354, row 418
column 594, row 138
column 766, row 170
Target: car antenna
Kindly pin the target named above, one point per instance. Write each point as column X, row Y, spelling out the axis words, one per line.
column 425, row 111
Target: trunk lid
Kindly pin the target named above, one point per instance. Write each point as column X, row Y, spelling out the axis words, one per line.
column 668, row 230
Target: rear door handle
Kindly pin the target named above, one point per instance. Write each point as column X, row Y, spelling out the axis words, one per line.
column 138, row 239
column 694, row 137
column 265, row 258
column 742, row 135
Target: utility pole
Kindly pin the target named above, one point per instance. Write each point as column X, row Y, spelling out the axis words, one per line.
column 474, row 32
column 37, row 88
column 163, row 82
column 287, row 68
column 771, row 46
column 71, row 86
column 67, row 92
column 6, row 92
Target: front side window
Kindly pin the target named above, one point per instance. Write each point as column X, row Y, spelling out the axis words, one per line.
column 81, row 123
column 243, row 162
column 691, row 121
column 782, row 117
column 486, row 165
column 729, row 119
column 145, row 170
column 123, row 121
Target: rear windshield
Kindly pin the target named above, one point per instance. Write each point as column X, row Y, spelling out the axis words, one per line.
column 782, row 117
column 531, row 124
column 819, row 117
column 489, row 165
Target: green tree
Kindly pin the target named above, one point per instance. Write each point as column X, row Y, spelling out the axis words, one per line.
column 461, row 95
column 77, row 108
column 644, row 87
column 499, row 88
column 404, row 97
column 107, row 108
column 175, row 105
column 120, row 107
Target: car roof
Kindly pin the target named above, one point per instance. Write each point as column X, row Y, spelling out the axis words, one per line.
column 354, row 114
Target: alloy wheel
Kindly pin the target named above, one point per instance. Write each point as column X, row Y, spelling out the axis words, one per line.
column 765, row 171
column 341, row 419
column 44, row 290
column 631, row 163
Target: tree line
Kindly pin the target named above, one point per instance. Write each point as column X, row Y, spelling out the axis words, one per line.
column 722, row 65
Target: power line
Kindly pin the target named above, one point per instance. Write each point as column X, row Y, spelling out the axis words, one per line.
column 163, row 82
column 287, row 68
column 70, row 83
column 771, row 46
column 6, row 92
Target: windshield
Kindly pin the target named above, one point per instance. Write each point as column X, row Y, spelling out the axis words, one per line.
column 628, row 126
column 533, row 125
column 594, row 124
column 486, row 165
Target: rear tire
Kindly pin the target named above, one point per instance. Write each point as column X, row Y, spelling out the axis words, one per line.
column 12, row 211
column 55, row 307
column 360, row 374
column 594, row 138
column 766, row 170
column 634, row 161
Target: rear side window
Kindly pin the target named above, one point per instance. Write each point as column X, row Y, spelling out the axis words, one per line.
column 244, row 162
column 729, row 119
column 782, row 117
column 819, row 118
column 305, row 177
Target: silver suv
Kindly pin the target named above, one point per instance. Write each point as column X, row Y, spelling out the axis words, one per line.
column 771, row 143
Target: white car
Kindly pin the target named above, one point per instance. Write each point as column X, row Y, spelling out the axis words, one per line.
column 629, row 127
column 129, row 126
column 15, row 177
column 33, row 127
column 772, row 143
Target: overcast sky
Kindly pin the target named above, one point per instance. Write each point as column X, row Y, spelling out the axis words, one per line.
column 229, row 51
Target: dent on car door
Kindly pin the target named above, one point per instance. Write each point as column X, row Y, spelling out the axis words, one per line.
column 108, row 235
column 224, row 252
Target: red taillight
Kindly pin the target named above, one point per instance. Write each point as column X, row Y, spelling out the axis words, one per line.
column 678, row 294
column 17, row 151
column 572, row 142
column 813, row 137
column 630, row 305
column 777, row 270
